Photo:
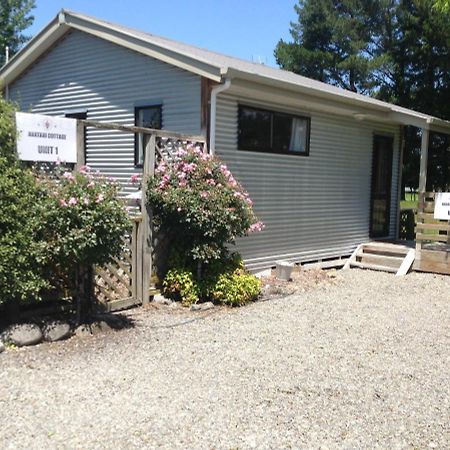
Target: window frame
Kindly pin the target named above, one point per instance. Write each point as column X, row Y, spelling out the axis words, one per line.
column 137, row 109
column 271, row 149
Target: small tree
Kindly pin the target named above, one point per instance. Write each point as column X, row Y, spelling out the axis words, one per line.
column 85, row 225
column 202, row 208
column 22, row 260
column 200, row 204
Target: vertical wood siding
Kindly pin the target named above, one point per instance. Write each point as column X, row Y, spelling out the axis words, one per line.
column 85, row 72
column 316, row 206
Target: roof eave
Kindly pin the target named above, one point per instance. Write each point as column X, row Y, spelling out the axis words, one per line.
column 66, row 21
column 38, row 45
column 393, row 113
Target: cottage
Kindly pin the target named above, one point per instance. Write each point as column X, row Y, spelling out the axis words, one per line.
column 322, row 164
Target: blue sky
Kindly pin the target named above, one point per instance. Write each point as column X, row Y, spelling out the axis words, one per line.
column 248, row 29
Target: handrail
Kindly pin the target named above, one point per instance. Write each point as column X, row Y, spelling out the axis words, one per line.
column 135, row 129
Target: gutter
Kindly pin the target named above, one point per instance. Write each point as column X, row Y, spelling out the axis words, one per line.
column 214, row 92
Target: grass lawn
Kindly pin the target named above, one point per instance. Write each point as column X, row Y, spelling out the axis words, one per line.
column 411, row 200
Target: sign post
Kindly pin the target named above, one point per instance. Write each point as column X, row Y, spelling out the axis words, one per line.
column 442, row 205
column 46, row 138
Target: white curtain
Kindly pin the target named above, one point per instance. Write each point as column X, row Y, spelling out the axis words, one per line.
column 298, row 135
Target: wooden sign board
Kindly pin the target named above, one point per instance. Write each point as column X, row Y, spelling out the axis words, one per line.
column 46, row 138
column 442, row 205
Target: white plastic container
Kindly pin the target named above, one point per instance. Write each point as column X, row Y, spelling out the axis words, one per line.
column 284, row 270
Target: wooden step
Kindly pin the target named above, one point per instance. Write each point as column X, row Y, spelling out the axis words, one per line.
column 386, row 249
column 375, row 258
column 373, row 267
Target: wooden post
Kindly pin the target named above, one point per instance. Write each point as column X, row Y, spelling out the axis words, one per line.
column 147, row 218
column 81, row 153
column 400, row 180
column 134, row 260
column 422, row 178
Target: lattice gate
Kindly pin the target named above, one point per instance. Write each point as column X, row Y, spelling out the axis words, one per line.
column 128, row 281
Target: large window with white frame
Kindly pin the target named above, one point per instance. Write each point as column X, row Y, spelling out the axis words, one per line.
column 270, row 131
column 147, row 117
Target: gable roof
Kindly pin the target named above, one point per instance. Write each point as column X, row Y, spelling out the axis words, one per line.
column 206, row 63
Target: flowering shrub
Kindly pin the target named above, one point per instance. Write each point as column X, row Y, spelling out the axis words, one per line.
column 224, row 281
column 236, row 288
column 197, row 200
column 85, row 222
column 179, row 285
column 21, row 259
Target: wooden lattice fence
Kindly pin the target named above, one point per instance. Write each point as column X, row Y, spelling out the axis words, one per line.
column 115, row 284
column 432, row 238
column 130, row 279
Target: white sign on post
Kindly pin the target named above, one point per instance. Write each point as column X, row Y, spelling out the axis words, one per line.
column 46, row 138
column 442, row 205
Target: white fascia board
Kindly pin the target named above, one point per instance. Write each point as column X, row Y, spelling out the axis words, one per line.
column 31, row 52
column 333, row 102
column 342, row 98
column 132, row 42
column 301, row 100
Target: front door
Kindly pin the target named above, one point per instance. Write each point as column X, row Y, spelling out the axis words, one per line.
column 381, row 186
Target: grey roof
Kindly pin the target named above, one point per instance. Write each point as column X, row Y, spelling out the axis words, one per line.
column 214, row 65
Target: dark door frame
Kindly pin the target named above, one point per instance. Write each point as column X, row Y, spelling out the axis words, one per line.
column 381, row 143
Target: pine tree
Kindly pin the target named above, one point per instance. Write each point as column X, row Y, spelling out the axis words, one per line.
column 15, row 17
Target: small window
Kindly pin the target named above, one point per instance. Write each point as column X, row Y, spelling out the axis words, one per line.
column 148, row 117
column 271, row 131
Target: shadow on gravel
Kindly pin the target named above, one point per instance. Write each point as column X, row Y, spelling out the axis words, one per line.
column 116, row 321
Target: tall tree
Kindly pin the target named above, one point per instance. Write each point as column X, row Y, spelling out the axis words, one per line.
column 395, row 50
column 331, row 42
column 15, row 17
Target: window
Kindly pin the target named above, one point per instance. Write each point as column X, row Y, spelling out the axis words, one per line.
column 271, row 131
column 148, row 117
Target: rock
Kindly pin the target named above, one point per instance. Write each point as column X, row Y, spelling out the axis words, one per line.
column 111, row 320
column 24, row 334
column 99, row 327
column 2, row 347
column 175, row 305
column 56, row 331
column 161, row 300
column 83, row 331
column 202, row 306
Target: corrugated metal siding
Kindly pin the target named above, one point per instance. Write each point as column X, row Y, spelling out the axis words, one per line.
column 314, row 207
column 85, row 72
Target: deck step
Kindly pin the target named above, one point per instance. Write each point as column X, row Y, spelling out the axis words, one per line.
column 382, row 256
column 377, row 259
column 373, row 267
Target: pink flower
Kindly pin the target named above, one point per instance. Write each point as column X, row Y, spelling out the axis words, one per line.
column 204, row 194
column 86, row 201
column 211, row 182
column 73, row 201
column 62, row 202
column 84, row 169
column 100, row 198
column 68, row 176
column 90, row 184
column 182, row 183
column 258, row 226
column 134, row 178
column 160, row 169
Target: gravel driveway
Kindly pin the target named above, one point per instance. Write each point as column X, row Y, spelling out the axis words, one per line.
column 363, row 363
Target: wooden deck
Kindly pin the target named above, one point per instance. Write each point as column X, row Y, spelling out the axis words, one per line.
column 432, row 238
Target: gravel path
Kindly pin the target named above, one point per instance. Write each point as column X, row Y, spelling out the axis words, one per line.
column 363, row 363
